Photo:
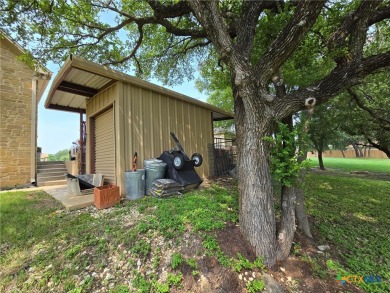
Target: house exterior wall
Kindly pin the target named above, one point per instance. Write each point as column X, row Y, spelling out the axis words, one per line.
column 16, row 117
column 149, row 118
column 96, row 105
column 143, row 122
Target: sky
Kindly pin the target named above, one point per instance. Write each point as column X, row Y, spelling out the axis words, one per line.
column 58, row 129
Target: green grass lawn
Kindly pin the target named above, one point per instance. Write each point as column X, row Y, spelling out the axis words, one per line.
column 42, row 247
column 352, row 214
column 354, row 164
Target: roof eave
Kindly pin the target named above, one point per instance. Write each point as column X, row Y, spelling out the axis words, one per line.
column 59, row 77
column 88, row 66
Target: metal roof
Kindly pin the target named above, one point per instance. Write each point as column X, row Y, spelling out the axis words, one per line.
column 79, row 80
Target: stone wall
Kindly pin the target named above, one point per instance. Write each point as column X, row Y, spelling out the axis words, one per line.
column 15, row 117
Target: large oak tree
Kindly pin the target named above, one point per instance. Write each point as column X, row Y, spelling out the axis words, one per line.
column 168, row 37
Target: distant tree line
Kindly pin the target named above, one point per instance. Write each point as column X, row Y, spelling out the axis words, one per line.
column 62, row 155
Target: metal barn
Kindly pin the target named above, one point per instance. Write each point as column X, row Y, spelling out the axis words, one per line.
column 126, row 115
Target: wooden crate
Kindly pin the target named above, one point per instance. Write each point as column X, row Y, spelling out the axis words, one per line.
column 106, row 196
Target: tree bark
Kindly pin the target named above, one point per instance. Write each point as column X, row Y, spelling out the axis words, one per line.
column 287, row 225
column 300, row 212
column 342, row 152
column 257, row 215
column 320, row 161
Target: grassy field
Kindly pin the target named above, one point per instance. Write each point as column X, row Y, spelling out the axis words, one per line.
column 133, row 247
column 354, row 164
column 155, row 245
column 352, row 215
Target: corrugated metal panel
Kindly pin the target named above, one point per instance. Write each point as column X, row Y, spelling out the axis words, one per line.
column 101, row 100
column 105, row 146
column 82, row 78
column 86, row 78
column 148, row 118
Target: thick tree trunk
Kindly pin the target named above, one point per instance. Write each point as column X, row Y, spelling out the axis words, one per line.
column 255, row 189
column 342, row 152
column 257, row 215
column 300, row 212
column 287, row 225
column 320, row 161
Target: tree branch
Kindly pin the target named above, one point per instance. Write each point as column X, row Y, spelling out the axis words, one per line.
column 249, row 18
column 177, row 10
column 379, row 15
column 208, row 14
column 355, row 26
column 361, row 105
column 133, row 52
column 287, row 41
column 382, row 148
column 169, row 11
column 340, row 78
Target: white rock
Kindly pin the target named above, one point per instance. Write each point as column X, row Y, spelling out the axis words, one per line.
column 251, row 279
column 94, row 274
column 240, row 276
column 108, row 276
column 253, row 274
column 282, row 269
column 323, row 247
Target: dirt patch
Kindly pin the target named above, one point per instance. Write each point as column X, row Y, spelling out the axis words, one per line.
column 303, row 271
column 232, row 242
column 209, row 276
column 295, row 273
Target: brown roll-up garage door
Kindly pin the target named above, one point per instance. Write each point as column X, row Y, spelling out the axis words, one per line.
column 105, row 146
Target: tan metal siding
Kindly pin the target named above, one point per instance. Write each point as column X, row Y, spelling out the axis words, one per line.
column 105, row 146
column 102, row 100
column 96, row 105
column 148, row 118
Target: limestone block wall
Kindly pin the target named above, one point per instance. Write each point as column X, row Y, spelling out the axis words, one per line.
column 15, row 117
